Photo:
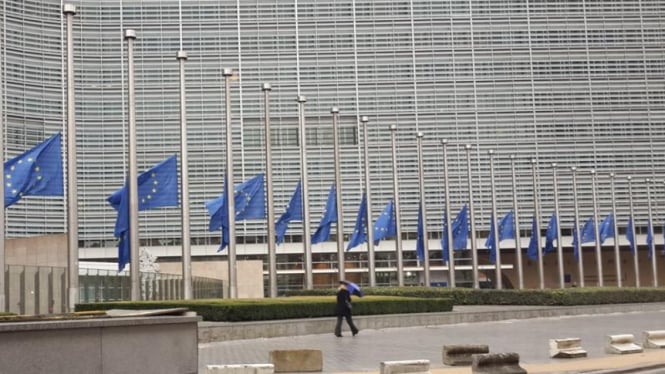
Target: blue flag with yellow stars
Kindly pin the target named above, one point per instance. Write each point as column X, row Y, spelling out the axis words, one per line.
column 629, row 235
column 359, row 235
column 606, row 229
column 532, row 250
column 322, row 233
column 650, row 238
column 157, row 188
column 588, row 235
column 385, row 226
column 249, row 203
column 576, row 245
column 293, row 213
column 490, row 243
column 420, row 237
column 507, row 226
column 551, row 234
column 36, row 172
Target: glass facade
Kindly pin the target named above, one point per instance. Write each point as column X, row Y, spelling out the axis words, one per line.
column 576, row 82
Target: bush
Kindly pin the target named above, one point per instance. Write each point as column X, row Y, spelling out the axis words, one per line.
column 469, row 296
column 284, row 308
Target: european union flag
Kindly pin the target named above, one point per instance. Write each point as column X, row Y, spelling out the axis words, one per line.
column 359, row 236
column 385, row 226
column 650, row 238
column 460, row 228
column 533, row 249
column 249, row 203
column 157, row 187
column 507, row 226
column 36, row 172
column 576, row 245
column 420, row 241
column 551, row 234
column 606, row 229
column 293, row 213
column 629, row 235
column 490, row 243
column 444, row 239
column 588, row 235
column 322, row 233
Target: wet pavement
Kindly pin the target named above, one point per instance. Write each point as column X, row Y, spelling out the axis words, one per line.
column 528, row 337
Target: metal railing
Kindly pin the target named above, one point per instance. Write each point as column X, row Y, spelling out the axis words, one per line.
column 108, row 285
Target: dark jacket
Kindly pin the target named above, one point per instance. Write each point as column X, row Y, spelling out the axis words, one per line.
column 343, row 297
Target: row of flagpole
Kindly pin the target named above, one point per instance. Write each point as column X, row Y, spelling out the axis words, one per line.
column 228, row 73
column 133, row 196
column 129, row 35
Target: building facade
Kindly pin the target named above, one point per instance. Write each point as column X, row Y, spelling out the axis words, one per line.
column 574, row 82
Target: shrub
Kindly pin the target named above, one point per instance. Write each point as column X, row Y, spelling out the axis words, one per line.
column 284, row 307
column 469, row 296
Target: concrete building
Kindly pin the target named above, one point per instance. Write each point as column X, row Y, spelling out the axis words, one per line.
column 579, row 83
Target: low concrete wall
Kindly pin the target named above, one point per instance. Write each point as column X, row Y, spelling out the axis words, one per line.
column 147, row 345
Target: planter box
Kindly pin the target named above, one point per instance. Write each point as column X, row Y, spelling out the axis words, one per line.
column 159, row 345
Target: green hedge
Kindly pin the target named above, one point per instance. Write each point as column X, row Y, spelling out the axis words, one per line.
column 284, row 307
column 468, row 296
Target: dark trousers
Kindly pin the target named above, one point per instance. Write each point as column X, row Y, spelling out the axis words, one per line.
column 349, row 320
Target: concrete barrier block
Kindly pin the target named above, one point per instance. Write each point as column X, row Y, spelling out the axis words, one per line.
column 408, row 366
column 621, row 344
column 567, row 348
column 496, row 363
column 241, row 369
column 460, row 354
column 297, row 360
column 654, row 339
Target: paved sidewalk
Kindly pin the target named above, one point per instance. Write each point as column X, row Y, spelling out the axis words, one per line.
column 528, row 337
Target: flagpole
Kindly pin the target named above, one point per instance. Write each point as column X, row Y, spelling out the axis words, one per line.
column 368, row 194
column 495, row 230
column 423, row 207
column 654, row 269
column 449, row 234
column 474, row 251
column 3, row 299
column 398, row 229
column 132, row 182
column 272, row 250
column 72, row 192
column 536, row 208
column 580, row 262
column 230, row 187
column 181, row 56
column 599, row 257
column 632, row 229
column 559, row 247
column 617, row 254
column 307, row 240
column 518, row 240
column 338, row 196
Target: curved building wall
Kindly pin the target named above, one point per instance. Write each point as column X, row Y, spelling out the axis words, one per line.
column 573, row 82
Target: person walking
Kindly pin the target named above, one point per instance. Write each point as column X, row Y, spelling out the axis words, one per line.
column 343, row 310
